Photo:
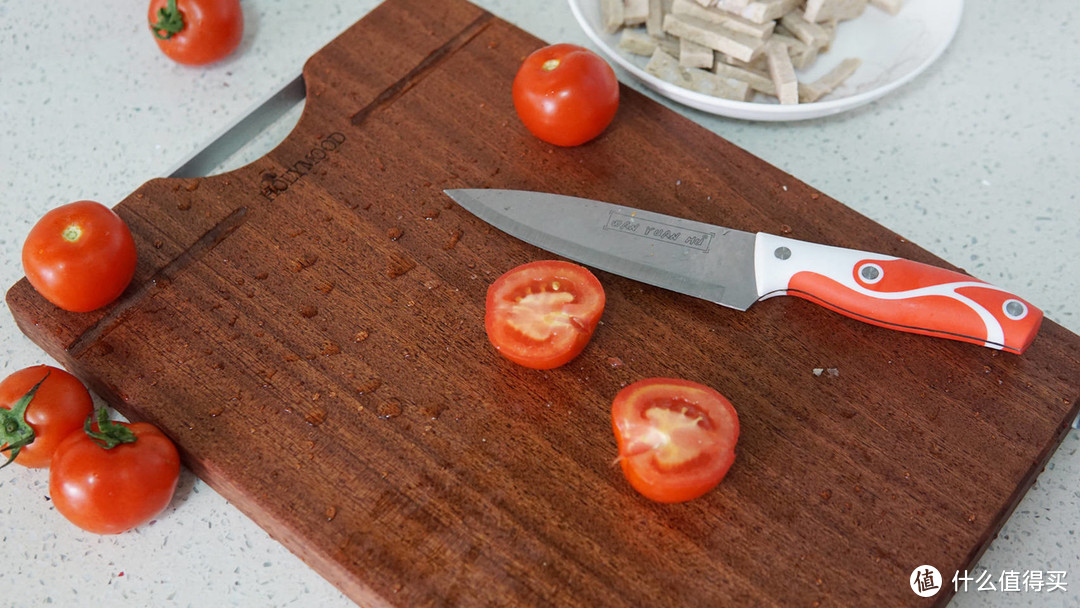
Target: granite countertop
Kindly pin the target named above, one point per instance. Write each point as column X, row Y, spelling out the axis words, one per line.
column 974, row 160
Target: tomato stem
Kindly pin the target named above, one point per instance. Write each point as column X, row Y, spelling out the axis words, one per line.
column 109, row 434
column 169, row 20
column 16, row 433
column 72, row 233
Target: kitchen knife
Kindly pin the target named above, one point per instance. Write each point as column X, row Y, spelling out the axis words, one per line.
column 736, row 268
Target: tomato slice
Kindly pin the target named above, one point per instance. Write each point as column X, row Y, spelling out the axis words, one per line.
column 676, row 438
column 542, row 314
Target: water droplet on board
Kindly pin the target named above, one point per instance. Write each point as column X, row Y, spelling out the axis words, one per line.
column 315, row 417
column 399, row 266
column 217, row 411
column 324, row 286
column 614, row 362
column 369, row 386
column 331, row 513
column 184, row 206
column 388, row 409
column 452, row 242
column 433, row 410
column 329, row 348
column 308, row 311
column 361, row 336
column 394, row 233
column 430, row 214
column 305, row 261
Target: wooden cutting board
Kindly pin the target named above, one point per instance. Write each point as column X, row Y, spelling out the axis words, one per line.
column 308, row 330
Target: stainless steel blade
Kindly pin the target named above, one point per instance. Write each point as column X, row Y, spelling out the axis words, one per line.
column 697, row 259
column 235, row 136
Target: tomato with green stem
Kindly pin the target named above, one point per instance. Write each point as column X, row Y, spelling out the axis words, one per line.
column 197, row 32
column 79, row 256
column 542, row 314
column 113, row 476
column 39, row 407
column 676, row 438
column 565, row 94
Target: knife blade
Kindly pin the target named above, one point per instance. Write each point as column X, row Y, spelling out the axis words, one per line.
column 243, row 130
column 736, row 268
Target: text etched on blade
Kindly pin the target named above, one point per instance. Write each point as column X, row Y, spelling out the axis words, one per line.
column 676, row 235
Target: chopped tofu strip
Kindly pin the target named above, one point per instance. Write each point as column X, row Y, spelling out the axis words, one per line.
column 889, row 6
column 809, row 32
column 635, row 12
column 841, row 10
column 758, row 81
column 637, row 42
column 782, row 72
column 827, row 83
column 736, row 49
column 761, row 11
column 733, row 22
column 654, row 23
column 611, row 15
column 666, row 67
column 716, row 37
column 693, row 55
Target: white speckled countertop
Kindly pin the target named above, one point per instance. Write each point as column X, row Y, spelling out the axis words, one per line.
column 975, row 160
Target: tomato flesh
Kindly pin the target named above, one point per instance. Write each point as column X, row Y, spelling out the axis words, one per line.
column 542, row 314
column 565, row 94
column 676, row 438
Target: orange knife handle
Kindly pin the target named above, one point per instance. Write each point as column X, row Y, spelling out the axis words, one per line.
column 895, row 293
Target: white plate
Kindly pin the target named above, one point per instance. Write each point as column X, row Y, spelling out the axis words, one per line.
column 893, row 50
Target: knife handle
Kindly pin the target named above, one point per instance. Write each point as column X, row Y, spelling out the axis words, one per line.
column 895, row 293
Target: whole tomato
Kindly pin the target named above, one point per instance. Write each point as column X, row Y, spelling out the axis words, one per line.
column 565, row 94
column 197, row 32
column 79, row 256
column 114, row 476
column 41, row 406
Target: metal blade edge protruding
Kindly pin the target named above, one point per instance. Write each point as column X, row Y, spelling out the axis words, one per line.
column 234, row 136
column 701, row 260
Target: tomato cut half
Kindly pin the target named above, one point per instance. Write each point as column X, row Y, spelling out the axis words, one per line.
column 542, row 314
column 676, row 438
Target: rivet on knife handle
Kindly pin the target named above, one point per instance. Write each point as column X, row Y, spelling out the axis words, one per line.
column 895, row 293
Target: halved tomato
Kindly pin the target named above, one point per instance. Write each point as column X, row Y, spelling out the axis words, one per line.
column 542, row 314
column 676, row 438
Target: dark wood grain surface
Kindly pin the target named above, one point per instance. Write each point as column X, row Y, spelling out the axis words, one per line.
column 308, row 330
